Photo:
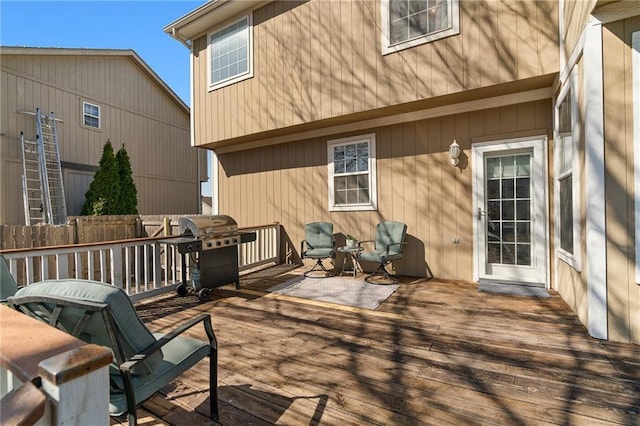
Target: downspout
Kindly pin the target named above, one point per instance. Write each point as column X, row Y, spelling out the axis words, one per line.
column 175, row 34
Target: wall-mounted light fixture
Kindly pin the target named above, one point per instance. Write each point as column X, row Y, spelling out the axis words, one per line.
column 454, row 152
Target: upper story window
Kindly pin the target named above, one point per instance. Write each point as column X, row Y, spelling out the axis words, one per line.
column 91, row 115
column 352, row 173
column 230, row 54
column 409, row 23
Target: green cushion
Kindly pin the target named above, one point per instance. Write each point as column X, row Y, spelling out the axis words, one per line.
column 8, row 286
column 319, row 253
column 180, row 354
column 132, row 333
column 319, row 237
column 388, row 234
column 379, row 256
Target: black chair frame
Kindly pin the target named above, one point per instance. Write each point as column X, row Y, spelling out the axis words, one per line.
column 125, row 366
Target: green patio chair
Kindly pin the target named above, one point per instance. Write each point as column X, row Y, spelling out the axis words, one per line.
column 388, row 247
column 8, row 286
column 318, row 244
column 102, row 314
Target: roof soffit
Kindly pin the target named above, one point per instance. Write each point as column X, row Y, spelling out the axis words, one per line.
column 210, row 14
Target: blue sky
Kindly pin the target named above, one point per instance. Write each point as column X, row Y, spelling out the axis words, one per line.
column 112, row 24
column 116, row 24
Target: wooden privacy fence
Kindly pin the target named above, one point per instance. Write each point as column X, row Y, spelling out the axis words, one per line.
column 77, row 230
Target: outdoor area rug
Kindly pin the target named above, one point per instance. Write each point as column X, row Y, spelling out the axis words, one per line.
column 516, row 289
column 343, row 291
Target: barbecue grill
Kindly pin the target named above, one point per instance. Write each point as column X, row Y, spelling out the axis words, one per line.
column 212, row 245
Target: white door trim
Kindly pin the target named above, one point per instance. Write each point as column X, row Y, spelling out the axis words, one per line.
column 539, row 146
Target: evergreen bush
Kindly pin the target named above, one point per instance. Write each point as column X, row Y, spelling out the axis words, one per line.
column 128, row 202
column 103, row 194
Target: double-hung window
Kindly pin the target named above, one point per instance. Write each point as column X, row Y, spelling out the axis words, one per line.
column 408, row 23
column 230, row 53
column 567, row 188
column 90, row 115
column 352, row 173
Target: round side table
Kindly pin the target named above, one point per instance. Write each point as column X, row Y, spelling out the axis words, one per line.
column 350, row 259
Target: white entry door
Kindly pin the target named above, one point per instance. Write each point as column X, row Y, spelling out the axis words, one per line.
column 510, row 210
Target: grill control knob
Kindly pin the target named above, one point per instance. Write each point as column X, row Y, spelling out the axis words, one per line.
column 226, row 241
column 209, row 244
column 218, row 243
column 235, row 240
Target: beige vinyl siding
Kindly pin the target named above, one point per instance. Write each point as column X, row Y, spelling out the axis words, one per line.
column 417, row 185
column 321, row 60
column 576, row 16
column 134, row 110
column 623, row 294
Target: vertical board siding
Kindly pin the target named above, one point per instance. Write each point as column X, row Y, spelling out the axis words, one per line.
column 317, row 60
column 415, row 180
column 623, row 294
column 135, row 111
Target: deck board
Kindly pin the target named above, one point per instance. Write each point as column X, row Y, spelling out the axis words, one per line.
column 435, row 352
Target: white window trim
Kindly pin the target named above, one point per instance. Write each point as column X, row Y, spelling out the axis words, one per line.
column 387, row 47
column 573, row 259
column 240, row 77
column 635, row 53
column 373, row 197
column 99, row 117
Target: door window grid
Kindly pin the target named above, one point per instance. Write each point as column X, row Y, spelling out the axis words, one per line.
column 508, row 189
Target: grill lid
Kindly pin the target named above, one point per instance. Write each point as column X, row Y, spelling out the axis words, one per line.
column 208, row 226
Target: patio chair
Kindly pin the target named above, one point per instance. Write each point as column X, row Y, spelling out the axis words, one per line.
column 388, row 247
column 103, row 314
column 318, row 244
column 8, row 286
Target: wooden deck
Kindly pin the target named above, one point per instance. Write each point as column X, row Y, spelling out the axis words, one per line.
column 434, row 353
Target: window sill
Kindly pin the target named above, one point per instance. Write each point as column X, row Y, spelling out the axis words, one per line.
column 353, row 208
column 95, row 129
column 234, row 80
column 430, row 38
column 569, row 259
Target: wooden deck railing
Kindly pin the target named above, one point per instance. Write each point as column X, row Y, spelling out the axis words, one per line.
column 48, row 377
column 142, row 267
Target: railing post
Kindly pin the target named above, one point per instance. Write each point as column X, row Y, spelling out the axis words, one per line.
column 78, row 383
column 116, row 266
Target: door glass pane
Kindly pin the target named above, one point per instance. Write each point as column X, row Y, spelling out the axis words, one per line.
column 507, row 210
column 508, row 231
column 493, row 189
column 508, row 254
column 524, row 254
column 507, row 188
column 523, row 187
column 493, row 168
column 508, row 167
column 523, row 167
column 508, row 207
column 493, row 210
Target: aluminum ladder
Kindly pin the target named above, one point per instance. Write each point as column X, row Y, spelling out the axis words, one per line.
column 32, row 192
column 47, row 195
